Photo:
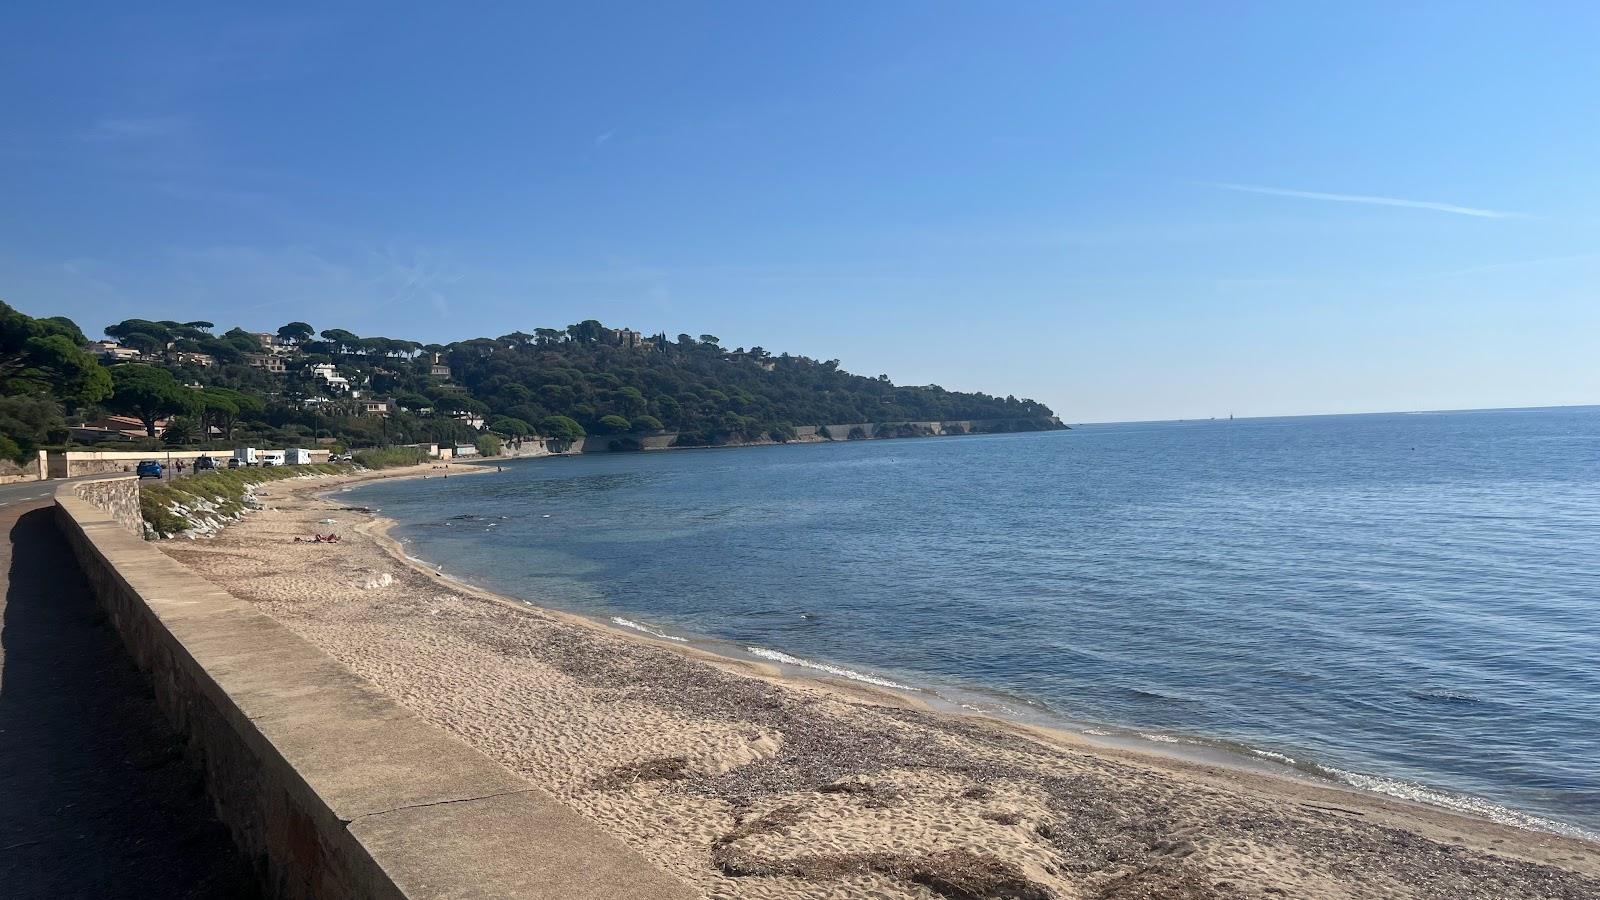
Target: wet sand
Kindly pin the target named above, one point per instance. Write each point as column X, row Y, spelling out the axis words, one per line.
column 748, row 783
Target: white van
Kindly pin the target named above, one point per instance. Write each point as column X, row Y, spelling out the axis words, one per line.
column 246, row 456
column 298, row 456
column 270, row 457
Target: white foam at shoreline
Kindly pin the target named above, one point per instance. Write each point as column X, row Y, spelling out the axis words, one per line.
column 786, row 659
column 1475, row 806
column 638, row 626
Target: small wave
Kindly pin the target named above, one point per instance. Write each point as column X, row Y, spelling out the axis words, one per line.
column 1275, row 757
column 786, row 659
column 1475, row 806
column 1160, row 738
column 1157, row 696
column 1097, row 732
column 637, row 626
column 1443, row 697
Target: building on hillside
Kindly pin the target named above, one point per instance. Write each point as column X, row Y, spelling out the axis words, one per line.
column 330, row 376
column 270, row 362
column 190, row 357
column 270, row 343
column 470, row 419
column 629, row 339
column 375, row 406
column 116, row 428
column 438, row 369
column 114, row 351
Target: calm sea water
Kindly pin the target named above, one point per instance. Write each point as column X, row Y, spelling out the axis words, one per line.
column 1407, row 603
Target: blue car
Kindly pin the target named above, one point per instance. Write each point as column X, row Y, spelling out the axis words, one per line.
column 150, row 468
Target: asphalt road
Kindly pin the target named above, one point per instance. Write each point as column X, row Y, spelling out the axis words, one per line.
column 96, row 797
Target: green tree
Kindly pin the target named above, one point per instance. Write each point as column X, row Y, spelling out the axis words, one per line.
column 510, row 425
column 646, row 423
column 611, row 425
column 342, row 341
column 149, row 393
column 180, row 430
column 295, row 333
column 43, row 356
column 144, row 342
column 561, row 428
column 244, row 341
column 30, row 422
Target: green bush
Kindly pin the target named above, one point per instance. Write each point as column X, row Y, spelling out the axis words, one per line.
column 645, row 423
column 489, row 444
column 390, row 457
column 225, row 488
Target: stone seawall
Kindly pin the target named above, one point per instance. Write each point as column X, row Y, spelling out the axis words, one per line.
column 118, row 498
column 330, row 788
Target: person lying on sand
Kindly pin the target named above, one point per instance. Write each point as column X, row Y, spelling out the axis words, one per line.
column 318, row 539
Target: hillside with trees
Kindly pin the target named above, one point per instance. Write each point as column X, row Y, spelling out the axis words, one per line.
column 185, row 383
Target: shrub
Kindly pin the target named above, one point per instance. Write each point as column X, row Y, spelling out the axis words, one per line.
column 489, row 444
column 390, row 457
column 224, row 489
column 646, row 423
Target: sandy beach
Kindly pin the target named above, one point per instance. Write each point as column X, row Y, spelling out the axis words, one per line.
column 748, row 783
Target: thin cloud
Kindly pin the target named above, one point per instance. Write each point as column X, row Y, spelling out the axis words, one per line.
column 137, row 128
column 1516, row 264
column 603, row 139
column 1371, row 201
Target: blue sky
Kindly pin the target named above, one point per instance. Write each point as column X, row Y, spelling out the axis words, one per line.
column 1126, row 211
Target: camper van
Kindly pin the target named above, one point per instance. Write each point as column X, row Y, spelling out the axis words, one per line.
column 298, row 456
column 270, row 457
column 246, row 456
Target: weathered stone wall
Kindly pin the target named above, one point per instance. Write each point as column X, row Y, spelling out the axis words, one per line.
column 330, row 788
column 35, row 469
column 117, row 497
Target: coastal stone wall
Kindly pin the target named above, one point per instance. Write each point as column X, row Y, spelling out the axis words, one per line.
column 117, row 497
column 532, row 447
column 35, row 469
column 331, row 789
column 72, row 463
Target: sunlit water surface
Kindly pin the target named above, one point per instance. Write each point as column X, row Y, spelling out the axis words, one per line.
column 1407, row 603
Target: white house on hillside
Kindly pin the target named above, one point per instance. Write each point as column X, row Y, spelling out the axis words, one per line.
column 330, row 376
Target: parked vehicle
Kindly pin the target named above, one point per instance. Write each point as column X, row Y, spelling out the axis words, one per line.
column 204, row 464
column 150, row 468
column 270, row 457
column 297, row 456
column 246, row 456
column 233, row 462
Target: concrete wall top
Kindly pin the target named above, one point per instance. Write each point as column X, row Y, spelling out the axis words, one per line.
column 340, row 790
column 163, row 453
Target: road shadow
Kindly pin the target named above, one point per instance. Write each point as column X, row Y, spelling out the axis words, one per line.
column 96, row 797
